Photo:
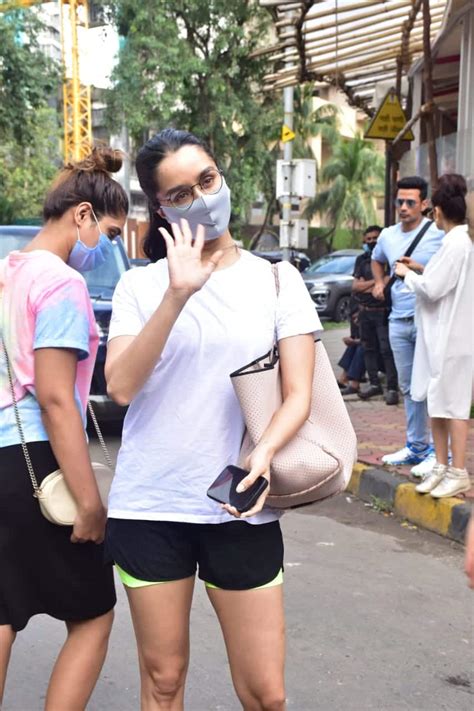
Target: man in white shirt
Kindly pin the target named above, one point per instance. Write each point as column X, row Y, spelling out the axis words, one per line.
column 394, row 241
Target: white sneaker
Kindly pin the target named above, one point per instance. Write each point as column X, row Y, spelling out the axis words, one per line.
column 455, row 481
column 403, row 456
column 432, row 479
column 425, row 467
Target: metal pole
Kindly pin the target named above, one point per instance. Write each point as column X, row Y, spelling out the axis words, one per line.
column 288, row 96
column 287, row 156
column 388, row 183
column 125, row 146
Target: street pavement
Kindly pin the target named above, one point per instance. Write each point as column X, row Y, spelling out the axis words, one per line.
column 380, row 428
column 378, row 618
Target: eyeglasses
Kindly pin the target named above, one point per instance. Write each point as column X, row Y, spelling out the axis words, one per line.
column 182, row 198
column 399, row 202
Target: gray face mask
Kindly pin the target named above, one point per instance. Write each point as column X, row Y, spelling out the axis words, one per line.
column 211, row 211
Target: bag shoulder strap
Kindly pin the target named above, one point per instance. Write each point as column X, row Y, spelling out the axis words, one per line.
column 413, row 245
column 26, row 454
column 417, row 239
column 276, row 276
column 21, row 433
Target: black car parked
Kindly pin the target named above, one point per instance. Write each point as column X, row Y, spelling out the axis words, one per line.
column 101, row 283
column 329, row 282
column 299, row 259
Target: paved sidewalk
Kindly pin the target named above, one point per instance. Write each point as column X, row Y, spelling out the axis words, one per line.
column 380, row 429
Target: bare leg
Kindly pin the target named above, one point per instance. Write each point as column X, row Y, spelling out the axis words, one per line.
column 160, row 615
column 439, row 428
column 7, row 637
column 458, row 431
column 254, row 631
column 79, row 664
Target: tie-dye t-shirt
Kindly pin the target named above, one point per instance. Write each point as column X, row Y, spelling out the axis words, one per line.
column 43, row 304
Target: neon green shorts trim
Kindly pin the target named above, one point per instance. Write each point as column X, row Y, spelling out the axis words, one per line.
column 130, row 582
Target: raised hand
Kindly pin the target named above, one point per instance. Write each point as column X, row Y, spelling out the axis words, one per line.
column 187, row 272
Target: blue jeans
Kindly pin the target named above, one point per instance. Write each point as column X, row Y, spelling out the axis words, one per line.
column 402, row 334
column 353, row 362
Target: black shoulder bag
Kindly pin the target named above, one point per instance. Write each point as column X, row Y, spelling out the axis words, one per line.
column 413, row 245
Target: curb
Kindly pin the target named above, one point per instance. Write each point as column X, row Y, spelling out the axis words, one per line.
column 447, row 517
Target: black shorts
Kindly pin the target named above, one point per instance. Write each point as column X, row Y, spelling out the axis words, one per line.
column 232, row 556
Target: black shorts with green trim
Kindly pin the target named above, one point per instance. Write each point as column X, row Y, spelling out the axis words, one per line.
column 232, row 556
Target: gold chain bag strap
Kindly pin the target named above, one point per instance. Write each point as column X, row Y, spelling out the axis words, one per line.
column 55, row 499
column 318, row 460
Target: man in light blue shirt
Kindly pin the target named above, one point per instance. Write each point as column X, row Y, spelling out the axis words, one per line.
column 392, row 244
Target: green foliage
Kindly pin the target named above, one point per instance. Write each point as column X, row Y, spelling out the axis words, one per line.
column 342, row 238
column 187, row 64
column 352, row 178
column 29, row 139
column 310, row 122
column 26, row 171
column 27, row 77
column 380, row 505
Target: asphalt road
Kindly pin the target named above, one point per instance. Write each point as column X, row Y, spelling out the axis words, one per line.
column 378, row 617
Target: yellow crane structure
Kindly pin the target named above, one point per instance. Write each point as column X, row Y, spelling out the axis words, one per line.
column 76, row 96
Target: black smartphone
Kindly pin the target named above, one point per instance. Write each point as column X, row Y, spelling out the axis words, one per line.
column 223, row 489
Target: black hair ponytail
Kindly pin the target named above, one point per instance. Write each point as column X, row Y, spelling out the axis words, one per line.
column 88, row 180
column 154, row 245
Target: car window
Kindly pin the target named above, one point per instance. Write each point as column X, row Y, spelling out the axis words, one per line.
column 102, row 280
column 333, row 265
column 11, row 242
column 105, row 277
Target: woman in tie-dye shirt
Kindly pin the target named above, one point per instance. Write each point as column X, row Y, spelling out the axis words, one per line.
column 48, row 333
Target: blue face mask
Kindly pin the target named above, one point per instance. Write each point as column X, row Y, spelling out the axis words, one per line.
column 83, row 258
column 368, row 247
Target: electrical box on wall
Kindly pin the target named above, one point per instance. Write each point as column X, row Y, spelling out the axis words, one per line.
column 296, row 177
column 294, row 234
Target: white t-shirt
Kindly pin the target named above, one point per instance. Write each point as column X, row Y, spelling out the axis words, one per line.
column 185, row 425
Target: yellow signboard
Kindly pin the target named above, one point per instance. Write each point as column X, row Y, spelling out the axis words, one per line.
column 389, row 120
column 287, row 134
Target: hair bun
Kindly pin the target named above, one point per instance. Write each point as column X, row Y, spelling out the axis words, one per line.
column 453, row 185
column 101, row 158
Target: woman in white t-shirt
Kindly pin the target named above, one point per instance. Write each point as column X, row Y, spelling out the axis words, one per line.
column 179, row 327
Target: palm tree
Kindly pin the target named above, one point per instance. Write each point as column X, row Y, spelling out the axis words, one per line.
column 352, row 176
column 310, row 122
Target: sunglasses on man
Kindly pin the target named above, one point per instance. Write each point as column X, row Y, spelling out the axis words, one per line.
column 399, row 202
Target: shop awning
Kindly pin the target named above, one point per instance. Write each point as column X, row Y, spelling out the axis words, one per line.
column 349, row 44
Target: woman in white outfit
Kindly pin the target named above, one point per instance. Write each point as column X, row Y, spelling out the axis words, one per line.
column 179, row 327
column 443, row 365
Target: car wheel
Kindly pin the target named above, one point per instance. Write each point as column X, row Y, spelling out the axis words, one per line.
column 342, row 310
